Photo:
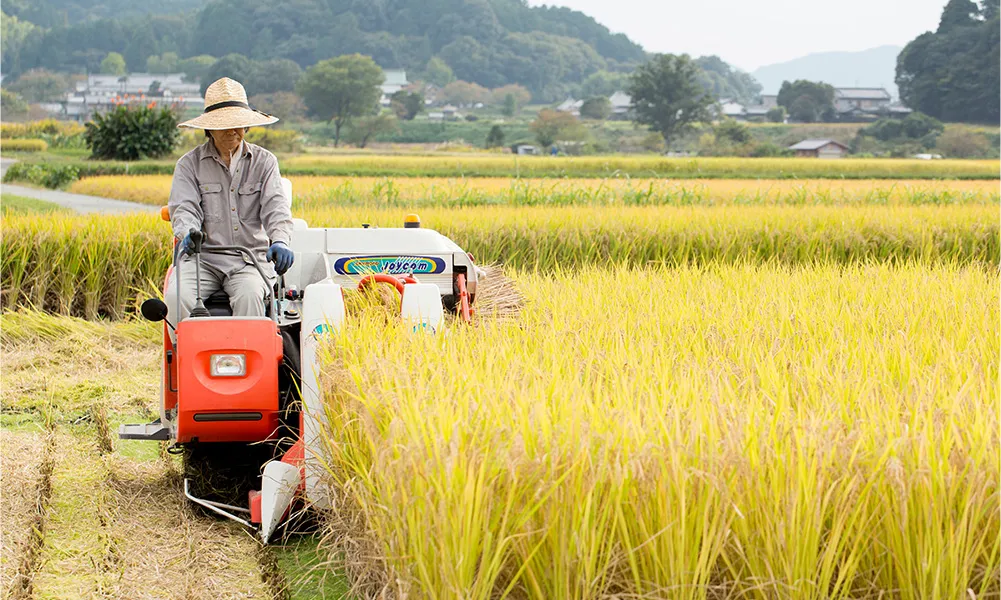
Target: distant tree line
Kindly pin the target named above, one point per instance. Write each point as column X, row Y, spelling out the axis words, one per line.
column 953, row 73
column 551, row 51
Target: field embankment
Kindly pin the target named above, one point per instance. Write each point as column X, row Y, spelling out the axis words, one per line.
column 443, row 192
column 743, row 431
column 94, row 265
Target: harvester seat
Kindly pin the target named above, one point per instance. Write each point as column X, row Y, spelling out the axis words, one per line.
column 218, row 304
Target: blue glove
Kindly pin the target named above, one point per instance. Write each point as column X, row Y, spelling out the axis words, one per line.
column 187, row 246
column 280, row 254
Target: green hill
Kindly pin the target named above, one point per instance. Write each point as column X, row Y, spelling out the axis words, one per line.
column 490, row 42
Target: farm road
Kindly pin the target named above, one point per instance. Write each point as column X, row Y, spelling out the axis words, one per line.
column 77, row 202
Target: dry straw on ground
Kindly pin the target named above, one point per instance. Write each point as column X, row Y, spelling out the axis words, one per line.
column 25, row 465
column 196, row 557
column 71, row 367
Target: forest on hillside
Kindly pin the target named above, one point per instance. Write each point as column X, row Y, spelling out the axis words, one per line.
column 490, row 42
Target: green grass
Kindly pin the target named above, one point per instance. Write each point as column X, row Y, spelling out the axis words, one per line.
column 19, row 205
column 307, row 573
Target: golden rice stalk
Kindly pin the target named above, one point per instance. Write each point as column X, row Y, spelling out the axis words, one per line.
column 416, row 192
column 752, row 431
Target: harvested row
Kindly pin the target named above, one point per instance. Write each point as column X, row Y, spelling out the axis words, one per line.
column 115, row 524
column 61, row 172
column 98, row 265
column 445, row 192
column 26, row 460
column 119, row 528
column 746, row 432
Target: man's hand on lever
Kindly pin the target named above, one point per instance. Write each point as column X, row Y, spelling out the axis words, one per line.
column 282, row 256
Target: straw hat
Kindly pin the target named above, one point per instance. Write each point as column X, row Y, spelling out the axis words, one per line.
column 226, row 108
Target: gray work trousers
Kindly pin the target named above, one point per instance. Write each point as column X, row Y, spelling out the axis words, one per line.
column 246, row 289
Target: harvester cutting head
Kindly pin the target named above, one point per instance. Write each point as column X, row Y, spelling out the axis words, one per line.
column 411, row 255
column 231, row 383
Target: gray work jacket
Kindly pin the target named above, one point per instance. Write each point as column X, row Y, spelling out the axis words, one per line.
column 242, row 205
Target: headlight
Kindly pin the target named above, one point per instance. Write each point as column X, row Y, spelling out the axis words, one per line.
column 228, row 365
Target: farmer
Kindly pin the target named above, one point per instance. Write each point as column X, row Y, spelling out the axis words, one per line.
column 231, row 190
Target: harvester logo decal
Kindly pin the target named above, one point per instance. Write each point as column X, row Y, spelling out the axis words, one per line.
column 393, row 265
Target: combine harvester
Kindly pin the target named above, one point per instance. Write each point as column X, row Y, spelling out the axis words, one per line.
column 237, row 391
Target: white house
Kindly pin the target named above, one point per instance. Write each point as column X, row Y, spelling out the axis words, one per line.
column 172, row 85
column 571, row 106
column 99, row 93
column 732, row 109
column 621, row 103
column 395, row 80
column 865, row 99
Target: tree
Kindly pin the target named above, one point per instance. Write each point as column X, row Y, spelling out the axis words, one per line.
column 729, row 130
column 519, row 93
column 495, row 139
column 14, row 36
column 723, row 81
column 276, row 75
column 510, row 106
column 807, row 101
column 958, row 13
column 776, row 114
column 438, row 72
column 235, row 66
column 162, row 64
column 667, row 96
column 363, row 129
column 804, row 109
column 196, row 67
column 285, row 105
column 604, row 83
column 918, row 125
column 552, row 125
column 113, row 64
column 914, row 126
column 407, row 105
column 39, row 85
column 598, row 108
column 339, row 89
column 954, row 73
column 464, row 93
column 12, row 106
column 960, row 143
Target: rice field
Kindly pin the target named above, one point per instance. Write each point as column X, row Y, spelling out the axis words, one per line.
column 721, row 431
column 442, row 192
column 638, row 166
column 714, row 389
column 100, row 265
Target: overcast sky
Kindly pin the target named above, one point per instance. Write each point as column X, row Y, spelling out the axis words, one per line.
column 753, row 33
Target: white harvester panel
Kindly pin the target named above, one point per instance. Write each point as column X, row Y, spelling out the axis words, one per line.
column 322, row 313
column 421, row 307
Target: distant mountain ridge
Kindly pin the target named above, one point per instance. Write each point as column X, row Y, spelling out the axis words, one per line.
column 875, row 67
